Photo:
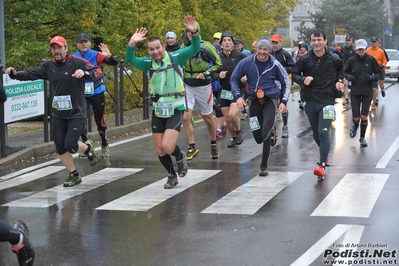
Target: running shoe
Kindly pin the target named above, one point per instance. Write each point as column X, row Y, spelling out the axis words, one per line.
column 233, row 143
column 363, row 142
column 264, row 171
column 182, row 166
column 244, row 116
column 214, row 151
column 274, row 136
column 219, row 133
column 353, row 131
column 284, row 133
column 319, row 172
column 104, row 151
column 25, row 253
column 239, row 137
column 91, row 154
column 346, row 103
column 376, row 102
column 373, row 106
column 172, row 182
column 192, row 152
column 383, row 93
column 72, row 180
column 224, row 130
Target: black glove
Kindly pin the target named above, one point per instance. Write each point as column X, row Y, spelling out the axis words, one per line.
column 369, row 77
column 349, row 77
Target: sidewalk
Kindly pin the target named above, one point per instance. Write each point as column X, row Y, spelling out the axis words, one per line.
column 22, row 145
column 26, row 145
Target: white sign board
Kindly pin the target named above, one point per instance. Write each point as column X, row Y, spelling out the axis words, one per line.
column 25, row 99
column 340, row 38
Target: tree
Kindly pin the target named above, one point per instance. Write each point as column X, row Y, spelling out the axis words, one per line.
column 363, row 19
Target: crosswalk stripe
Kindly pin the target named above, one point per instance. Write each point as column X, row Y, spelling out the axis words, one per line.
column 30, row 176
column 354, row 196
column 59, row 193
column 148, row 197
column 251, row 196
column 352, row 233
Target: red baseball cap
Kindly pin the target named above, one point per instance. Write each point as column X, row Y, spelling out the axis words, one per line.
column 59, row 40
column 276, row 38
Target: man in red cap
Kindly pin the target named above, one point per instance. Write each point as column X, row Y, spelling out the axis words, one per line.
column 67, row 75
column 286, row 60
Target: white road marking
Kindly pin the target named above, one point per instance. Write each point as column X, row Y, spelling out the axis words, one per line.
column 25, row 178
column 354, row 196
column 154, row 194
column 382, row 163
column 59, row 193
column 253, row 195
column 352, row 233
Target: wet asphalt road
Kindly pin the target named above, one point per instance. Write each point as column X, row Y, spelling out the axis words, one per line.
column 221, row 213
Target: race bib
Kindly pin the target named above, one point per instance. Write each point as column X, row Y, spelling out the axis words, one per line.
column 62, row 102
column 89, row 88
column 227, row 95
column 164, row 110
column 254, row 123
column 328, row 112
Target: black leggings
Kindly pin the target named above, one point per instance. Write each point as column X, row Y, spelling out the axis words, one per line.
column 66, row 134
column 97, row 103
column 8, row 233
column 360, row 105
column 320, row 127
column 266, row 115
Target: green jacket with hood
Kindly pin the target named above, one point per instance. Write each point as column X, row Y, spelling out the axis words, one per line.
column 165, row 80
column 194, row 67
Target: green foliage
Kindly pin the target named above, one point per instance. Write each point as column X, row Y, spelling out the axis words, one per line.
column 395, row 30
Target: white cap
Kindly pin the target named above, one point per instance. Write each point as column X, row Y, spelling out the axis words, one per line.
column 361, row 44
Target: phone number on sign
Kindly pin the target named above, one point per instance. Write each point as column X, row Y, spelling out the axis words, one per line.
column 24, row 105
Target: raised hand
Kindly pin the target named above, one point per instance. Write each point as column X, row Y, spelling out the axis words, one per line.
column 138, row 36
column 104, row 50
column 189, row 22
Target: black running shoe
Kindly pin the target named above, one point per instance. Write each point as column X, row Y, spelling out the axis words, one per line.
column 182, row 166
column 172, row 182
column 25, row 253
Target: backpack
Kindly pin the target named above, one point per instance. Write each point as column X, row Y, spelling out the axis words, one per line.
column 204, row 54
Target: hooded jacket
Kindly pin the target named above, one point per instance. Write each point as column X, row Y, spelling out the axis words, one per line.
column 265, row 80
column 358, row 67
column 195, row 66
column 326, row 71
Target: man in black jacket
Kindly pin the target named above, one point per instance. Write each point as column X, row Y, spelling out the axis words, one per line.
column 348, row 51
column 321, row 73
column 286, row 60
column 67, row 75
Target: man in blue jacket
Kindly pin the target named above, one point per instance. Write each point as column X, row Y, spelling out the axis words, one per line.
column 94, row 89
column 262, row 70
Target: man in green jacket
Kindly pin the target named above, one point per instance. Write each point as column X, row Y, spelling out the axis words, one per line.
column 168, row 94
column 197, row 79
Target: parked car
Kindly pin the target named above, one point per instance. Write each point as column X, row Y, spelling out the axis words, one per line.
column 392, row 70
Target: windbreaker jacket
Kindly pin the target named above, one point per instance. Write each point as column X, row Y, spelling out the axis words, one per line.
column 62, row 83
column 97, row 59
column 265, row 81
column 359, row 67
column 326, row 72
column 229, row 62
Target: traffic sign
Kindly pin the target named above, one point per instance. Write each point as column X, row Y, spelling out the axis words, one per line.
column 387, row 31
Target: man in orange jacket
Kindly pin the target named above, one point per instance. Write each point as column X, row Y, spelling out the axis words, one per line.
column 379, row 55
